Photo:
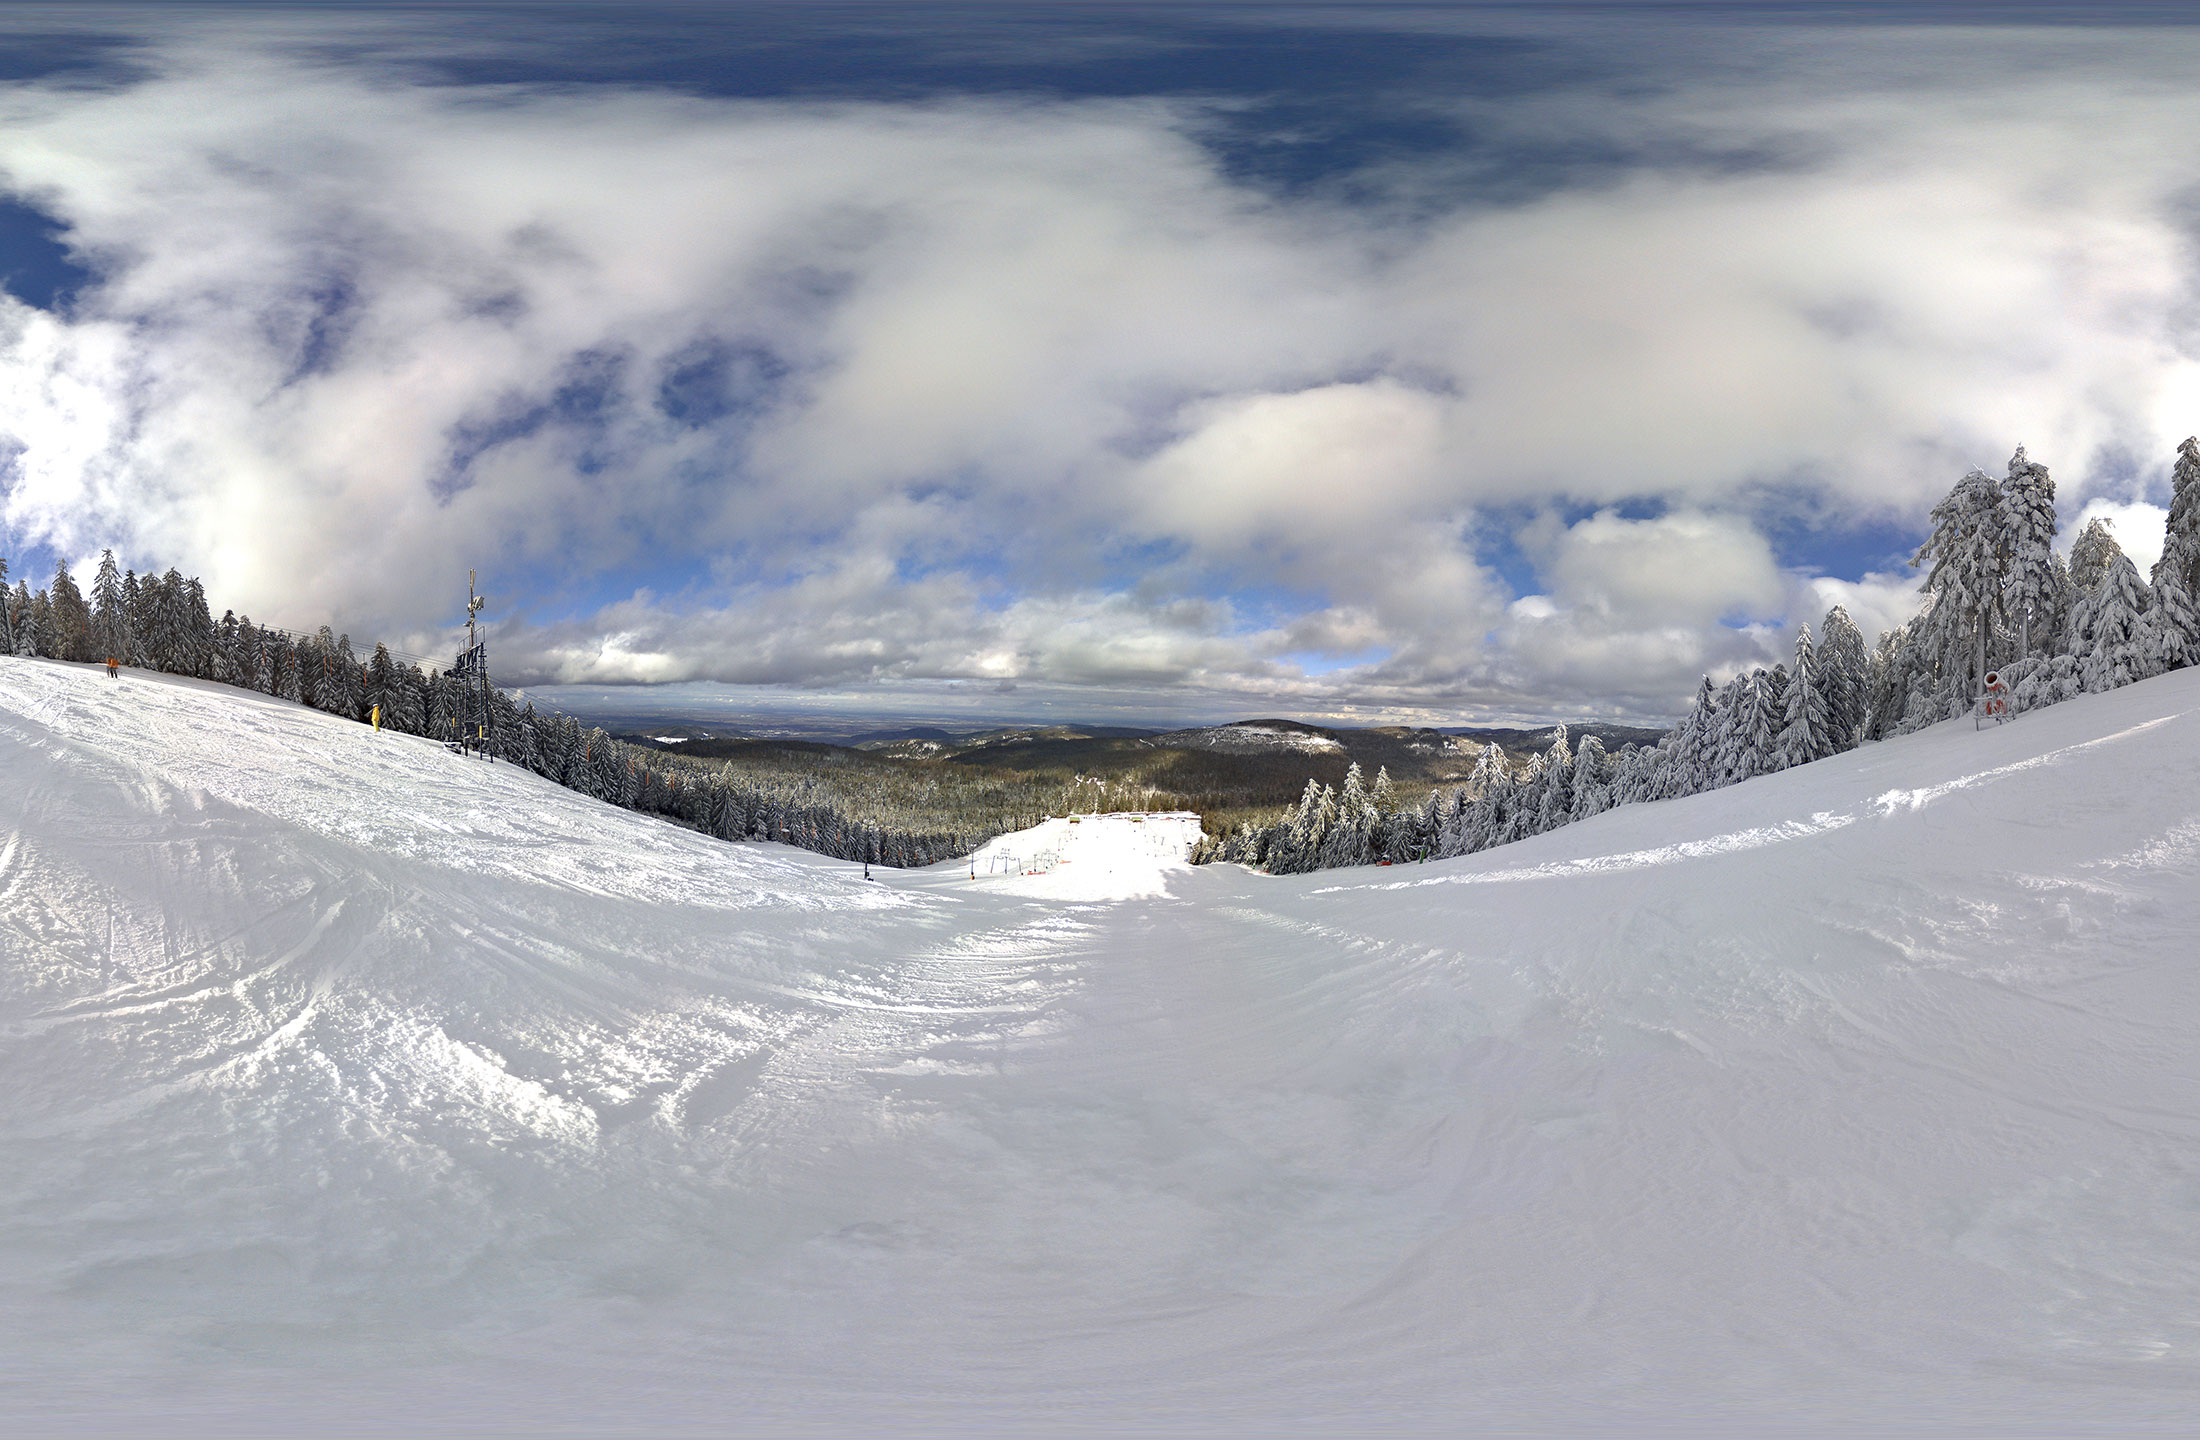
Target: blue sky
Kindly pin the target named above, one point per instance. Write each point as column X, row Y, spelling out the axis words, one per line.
column 1423, row 362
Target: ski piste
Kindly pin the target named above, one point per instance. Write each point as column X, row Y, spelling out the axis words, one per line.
column 352, row 1085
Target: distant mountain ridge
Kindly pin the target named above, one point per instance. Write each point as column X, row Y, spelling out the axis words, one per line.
column 1406, row 750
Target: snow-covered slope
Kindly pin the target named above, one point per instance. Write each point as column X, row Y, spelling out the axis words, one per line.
column 355, row 1086
column 1090, row 857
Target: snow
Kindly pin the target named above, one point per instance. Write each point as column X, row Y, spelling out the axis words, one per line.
column 357, row 1087
column 1088, row 857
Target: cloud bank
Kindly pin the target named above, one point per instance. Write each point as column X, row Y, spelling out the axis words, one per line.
column 1036, row 390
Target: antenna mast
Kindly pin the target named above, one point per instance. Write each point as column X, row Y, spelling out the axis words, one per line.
column 472, row 670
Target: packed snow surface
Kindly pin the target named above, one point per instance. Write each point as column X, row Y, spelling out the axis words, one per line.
column 356, row 1087
column 1089, row 857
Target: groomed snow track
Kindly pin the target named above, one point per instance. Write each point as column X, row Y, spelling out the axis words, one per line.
column 354, row 1087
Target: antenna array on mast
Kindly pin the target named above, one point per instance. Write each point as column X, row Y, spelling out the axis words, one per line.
column 471, row 670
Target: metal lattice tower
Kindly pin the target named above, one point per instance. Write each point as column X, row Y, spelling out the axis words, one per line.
column 471, row 670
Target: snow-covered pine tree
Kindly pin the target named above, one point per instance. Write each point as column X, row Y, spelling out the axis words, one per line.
column 527, row 744
column 725, row 810
column 72, row 618
column 1735, row 756
column 199, row 638
column 314, row 670
column 25, row 641
column 250, row 657
column 550, row 744
column 19, row 636
column 1968, row 551
column 291, row 666
column 1628, row 771
column 1751, row 732
column 411, row 699
column 1523, row 808
column 504, row 738
column 1382, row 795
column 110, row 611
column 2047, row 681
column 45, row 627
column 1554, row 788
column 1635, row 774
column 1917, row 687
column 1243, row 846
column 347, row 681
column 1807, row 727
column 142, row 593
column 381, row 684
column 2091, row 556
column 1883, row 697
column 443, row 715
column 156, row 629
column 1298, row 847
column 1486, row 820
column 1771, row 717
column 1448, row 823
column 1592, row 780
column 2065, row 596
column 1345, row 840
column 2181, row 536
column 2177, row 573
column 1688, row 756
column 1409, row 831
column 1844, row 669
column 169, row 644
column 225, row 648
column 2113, row 634
column 604, row 767
column 2028, row 539
column 2176, row 620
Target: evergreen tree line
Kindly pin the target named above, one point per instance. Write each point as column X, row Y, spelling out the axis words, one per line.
column 1998, row 600
column 164, row 623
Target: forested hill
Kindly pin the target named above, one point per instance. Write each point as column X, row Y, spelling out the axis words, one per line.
column 1247, row 770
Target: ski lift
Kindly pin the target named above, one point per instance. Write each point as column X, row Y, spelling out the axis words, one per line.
column 1993, row 703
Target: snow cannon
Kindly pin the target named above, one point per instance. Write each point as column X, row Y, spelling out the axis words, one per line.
column 1993, row 702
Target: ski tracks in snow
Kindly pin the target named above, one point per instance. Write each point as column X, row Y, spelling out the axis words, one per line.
column 1874, row 1084
column 1887, row 804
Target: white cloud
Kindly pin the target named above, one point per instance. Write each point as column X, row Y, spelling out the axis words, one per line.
column 1035, row 390
column 2139, row 528
column 1687, row 568
column 1876, row 603
column 1307, row 467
